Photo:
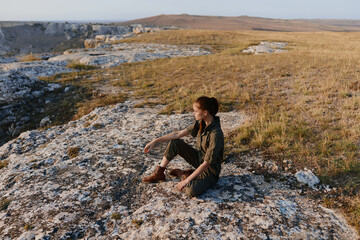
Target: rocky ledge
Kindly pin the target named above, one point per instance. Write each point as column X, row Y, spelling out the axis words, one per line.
column 83, row 180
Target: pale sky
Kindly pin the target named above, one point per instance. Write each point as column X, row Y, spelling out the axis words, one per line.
column 78, row 10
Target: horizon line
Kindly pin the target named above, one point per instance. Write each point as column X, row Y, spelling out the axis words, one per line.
column 126, row 20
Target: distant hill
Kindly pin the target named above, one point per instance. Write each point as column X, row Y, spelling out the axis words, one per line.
column 247, row 23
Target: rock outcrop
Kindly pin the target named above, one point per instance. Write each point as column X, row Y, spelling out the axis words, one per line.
column 39, row 37
column 105, row 39
column 82, row 180
column 266, row 47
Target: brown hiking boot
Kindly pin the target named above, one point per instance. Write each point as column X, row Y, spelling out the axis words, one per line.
column 157, row 176
column 182, row 174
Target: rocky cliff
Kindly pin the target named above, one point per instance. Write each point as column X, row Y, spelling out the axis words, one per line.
column 83, row 180
column 38, row 37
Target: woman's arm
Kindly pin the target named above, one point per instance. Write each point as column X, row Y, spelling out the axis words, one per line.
column 194, row 175
column 167, row 137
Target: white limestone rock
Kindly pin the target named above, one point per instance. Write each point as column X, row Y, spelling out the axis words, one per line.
column 307, row 177
column 115, row 54
column 266, row 47
column 37, row 68
column 96, row 193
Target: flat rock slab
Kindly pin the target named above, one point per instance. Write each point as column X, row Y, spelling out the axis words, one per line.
column 83, row 180
column 110, row 55
column 36, row 69
column 107, row 55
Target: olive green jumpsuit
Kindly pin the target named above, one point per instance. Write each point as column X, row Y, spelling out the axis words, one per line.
column 210, row 148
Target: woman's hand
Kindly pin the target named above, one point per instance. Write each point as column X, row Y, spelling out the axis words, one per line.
column 149, row 146
column 180, row 186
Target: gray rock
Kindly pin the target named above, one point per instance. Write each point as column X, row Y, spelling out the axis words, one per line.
column 45, row 121
column 266, row 47
column 36, row 68
column 307, row 177
column 96, row 193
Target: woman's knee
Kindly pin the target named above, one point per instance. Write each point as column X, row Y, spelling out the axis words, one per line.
column 172, row 149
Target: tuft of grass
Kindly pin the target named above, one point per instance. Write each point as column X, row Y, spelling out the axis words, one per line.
column 98, row 125
column 79, row 66
column 4, row 204
column 28, row 227
column 87, row 124
column 29, row 58
column 3, row 164
column 116, row 216
column 73, row 152
column 137, row 222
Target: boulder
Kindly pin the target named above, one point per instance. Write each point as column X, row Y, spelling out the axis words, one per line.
column 307, row 177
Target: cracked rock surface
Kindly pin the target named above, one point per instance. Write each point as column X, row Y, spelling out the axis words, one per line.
column 83, row 180
column 111, row 55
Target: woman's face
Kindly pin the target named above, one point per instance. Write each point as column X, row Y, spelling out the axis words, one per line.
column 198, row 113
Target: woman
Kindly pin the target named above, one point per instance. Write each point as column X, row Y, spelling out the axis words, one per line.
column 206, row 160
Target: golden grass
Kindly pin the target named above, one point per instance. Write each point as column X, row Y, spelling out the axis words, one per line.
column 73, row 152
column 79, row 66
column 3, row 164
column 29, row 58
column 304, row 104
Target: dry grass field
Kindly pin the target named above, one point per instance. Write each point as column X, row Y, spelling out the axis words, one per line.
column 304, row 104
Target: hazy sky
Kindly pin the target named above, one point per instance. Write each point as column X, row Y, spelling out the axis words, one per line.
column 126, row 10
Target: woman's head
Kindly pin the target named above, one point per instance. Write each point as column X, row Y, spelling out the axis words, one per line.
column 204, row 106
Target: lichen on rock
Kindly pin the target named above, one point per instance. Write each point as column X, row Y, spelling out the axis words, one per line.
column 98, row 193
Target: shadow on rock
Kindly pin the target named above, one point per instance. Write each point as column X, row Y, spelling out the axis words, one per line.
column 234, row 188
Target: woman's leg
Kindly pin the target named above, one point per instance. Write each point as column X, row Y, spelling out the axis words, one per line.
column 179, row 147
column 204, row 181
column 174, row 148
column 164, row 162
